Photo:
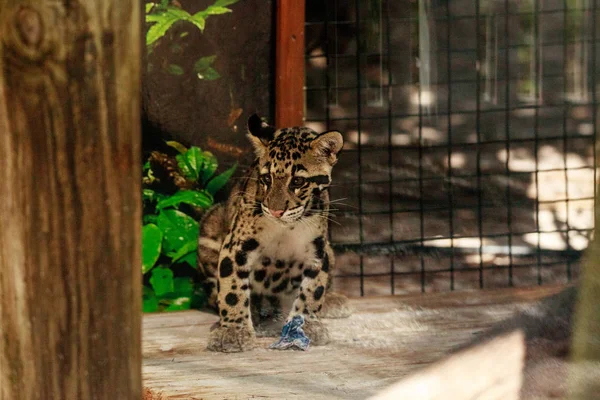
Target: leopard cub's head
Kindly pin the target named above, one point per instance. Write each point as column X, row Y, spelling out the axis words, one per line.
column 294, row 167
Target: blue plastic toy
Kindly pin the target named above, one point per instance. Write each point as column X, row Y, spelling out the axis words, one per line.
column 292, row 335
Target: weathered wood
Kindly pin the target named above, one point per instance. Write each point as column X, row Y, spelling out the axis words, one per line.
column 386, row 339
column 583, row 384
column 70, row 200
column 489, row 371
column 289, row 69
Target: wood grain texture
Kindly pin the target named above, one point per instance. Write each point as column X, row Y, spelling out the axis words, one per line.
column 584, row 382
column 70, row 200
column 289, row 69
column 386, row 339
column 499, row 365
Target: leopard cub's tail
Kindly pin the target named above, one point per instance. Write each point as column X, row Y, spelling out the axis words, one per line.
column 213, row 229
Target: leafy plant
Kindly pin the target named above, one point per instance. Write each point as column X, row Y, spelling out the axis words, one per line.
column 170, row 227
column 162, row 16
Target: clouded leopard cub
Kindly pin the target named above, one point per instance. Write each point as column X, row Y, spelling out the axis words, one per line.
column 267, row 247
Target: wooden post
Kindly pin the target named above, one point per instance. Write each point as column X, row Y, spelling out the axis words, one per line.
column 584, row 382
column 289, row 68
column 70, row 217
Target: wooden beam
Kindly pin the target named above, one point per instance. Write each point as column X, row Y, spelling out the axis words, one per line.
column 70, row 312
column 289, row 69
column 488, row 371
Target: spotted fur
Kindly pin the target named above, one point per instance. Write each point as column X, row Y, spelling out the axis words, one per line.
column 267, row 247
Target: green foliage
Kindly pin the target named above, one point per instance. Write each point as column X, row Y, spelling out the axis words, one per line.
column 203, row 68
column 179, row 229
column 170, row 229
column 175, row 69
column 152, row 238
column 218, row 182
column 162, row 281
column 201, row 199
column 161, row 17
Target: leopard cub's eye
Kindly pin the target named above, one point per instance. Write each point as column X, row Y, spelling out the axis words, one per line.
column 266, row 179
column 297, row 181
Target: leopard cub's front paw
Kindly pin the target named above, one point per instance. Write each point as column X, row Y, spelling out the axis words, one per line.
column 316, row 331
column 231, row 339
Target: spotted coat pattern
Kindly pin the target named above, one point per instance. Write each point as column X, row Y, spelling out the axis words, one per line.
column 267, row 248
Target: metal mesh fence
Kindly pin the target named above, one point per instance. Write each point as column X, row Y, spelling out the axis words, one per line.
column 470, row 131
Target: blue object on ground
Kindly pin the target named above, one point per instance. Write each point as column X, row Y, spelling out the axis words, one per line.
column 292, row 335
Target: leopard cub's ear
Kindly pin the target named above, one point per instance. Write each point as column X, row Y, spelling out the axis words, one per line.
column 328, row 145
column 260, row 134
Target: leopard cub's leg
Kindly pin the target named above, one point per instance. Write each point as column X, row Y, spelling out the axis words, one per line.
column 336, row 305
column 235, row 332
column 311, row 295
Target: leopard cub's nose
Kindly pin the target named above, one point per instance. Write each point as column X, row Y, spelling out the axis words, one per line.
column 276, row 213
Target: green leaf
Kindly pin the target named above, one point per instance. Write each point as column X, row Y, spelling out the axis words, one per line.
column 179, row 304
column 151, row 245
column 204, row 63
column 149, row 300
column 163, row 20
column 189, row 247
column 209, row 167
column 215, row 10
column 209, row 74
column 148, row 194
column 162, row 281
column 185, row 167
column 155, row 17
column 151, row 196
column 219, row 181
column 191, row 259
column 183, row 287
column 160, row 28
column 175, row 69
column 149, row 7
column 146, row 166
column 177, row 146
column 204, row 70
column 193, row 162
column 201, row 199
column 223, row 3
column 195, row 159
column 198, row 20
column 178, row 229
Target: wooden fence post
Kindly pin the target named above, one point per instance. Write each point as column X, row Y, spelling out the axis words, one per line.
column 70, row 215
column 289, row 68
column 584, row 373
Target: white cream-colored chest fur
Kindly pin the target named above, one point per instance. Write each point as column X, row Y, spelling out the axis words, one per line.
column 284, row 253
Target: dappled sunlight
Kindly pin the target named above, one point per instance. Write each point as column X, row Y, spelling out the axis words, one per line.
column 424, row 98
column 456, row 160
column 559, row 177
column 353, row 137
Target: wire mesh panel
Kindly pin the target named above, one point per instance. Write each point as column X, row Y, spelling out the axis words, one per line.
column 470, row 132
